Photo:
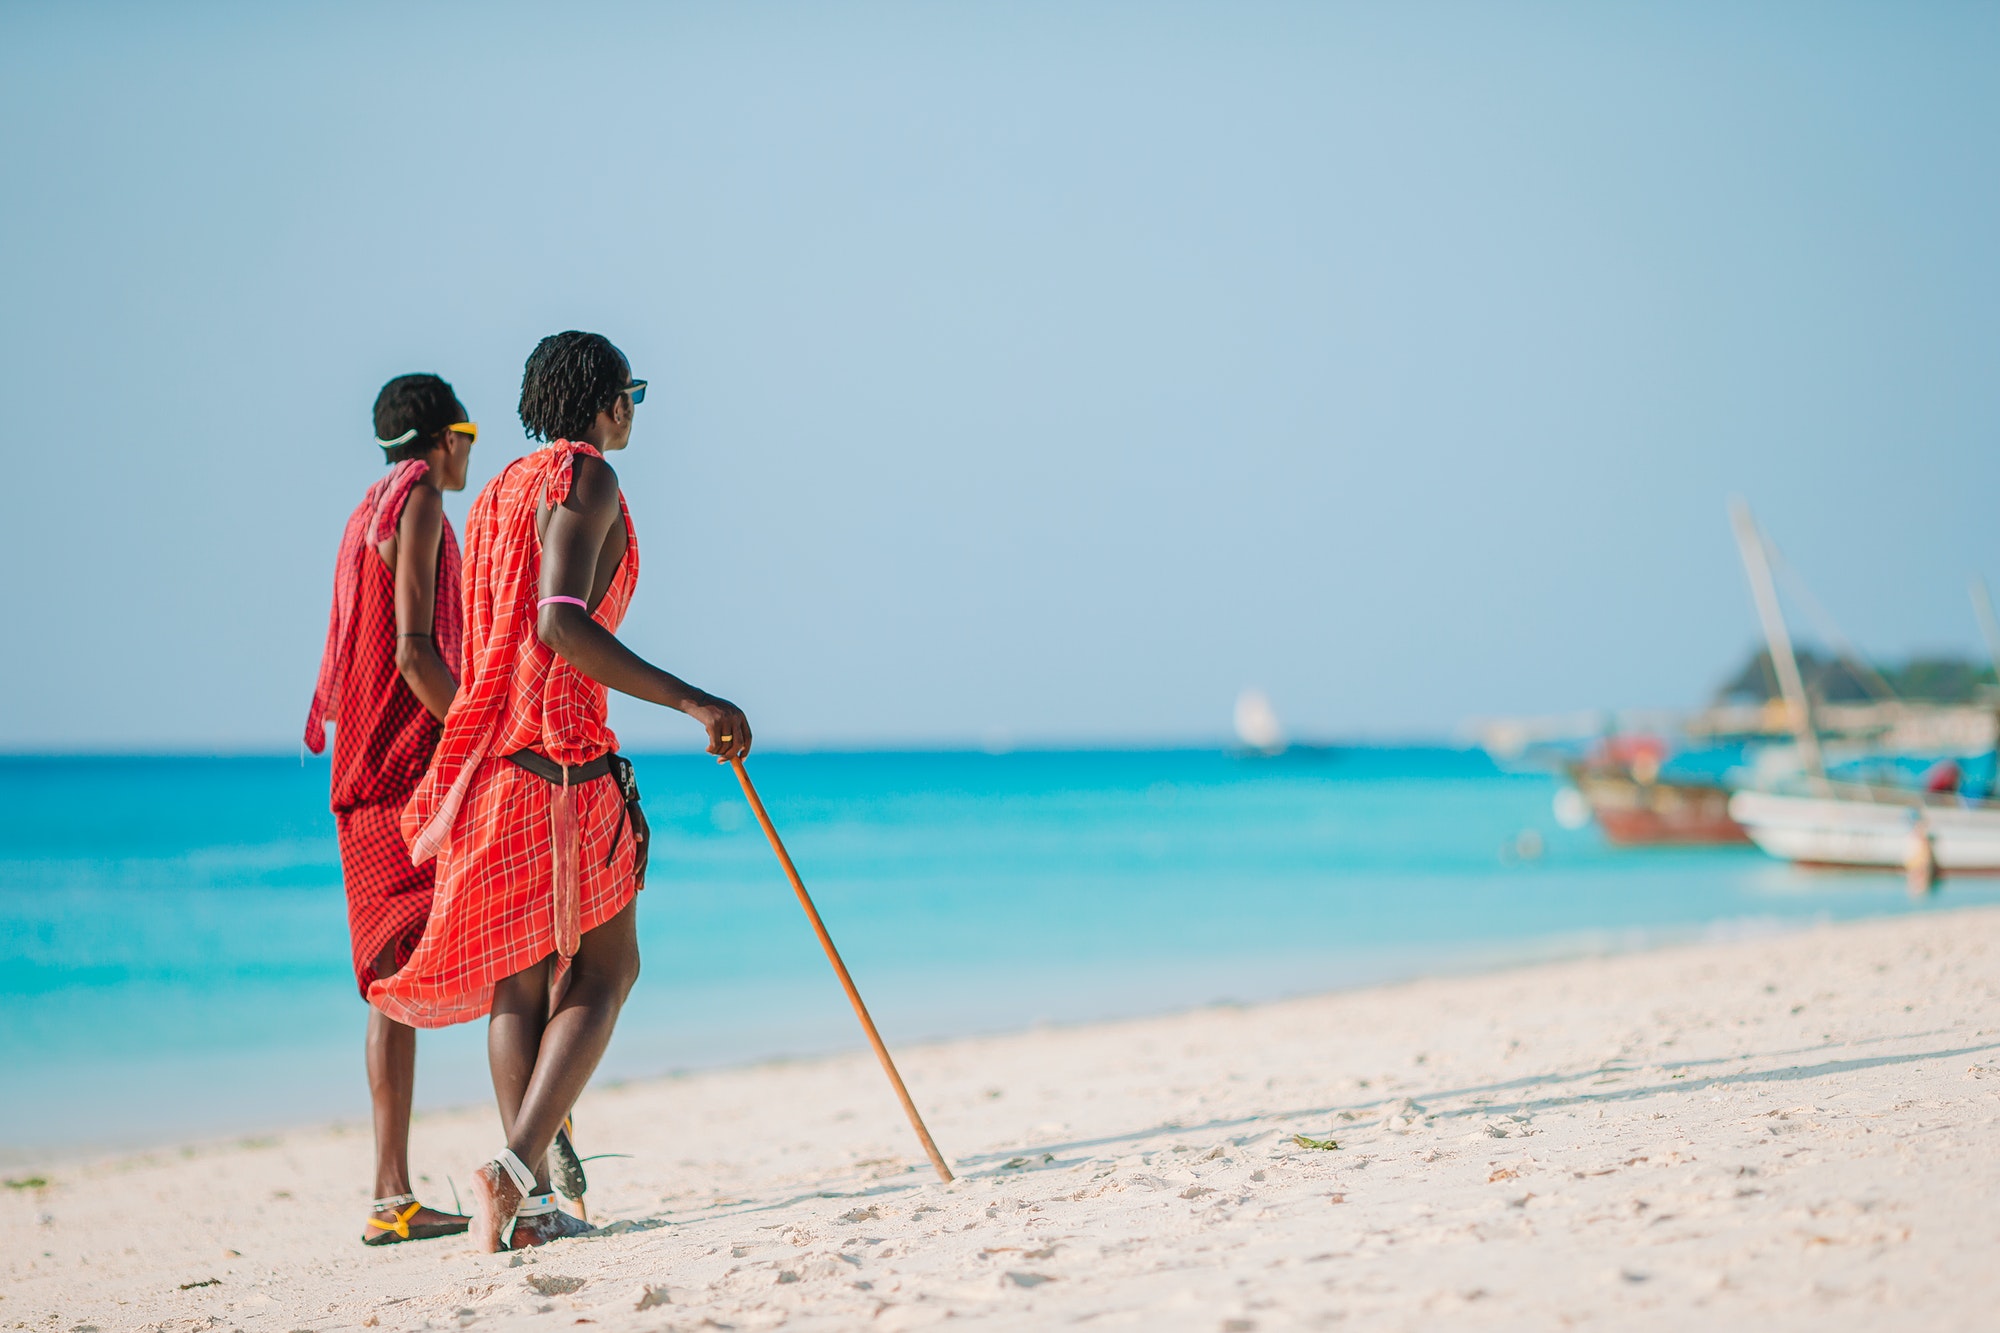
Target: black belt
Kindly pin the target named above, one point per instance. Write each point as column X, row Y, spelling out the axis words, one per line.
column 570, row 775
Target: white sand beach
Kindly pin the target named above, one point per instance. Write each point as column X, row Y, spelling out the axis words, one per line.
column 1792, row 1132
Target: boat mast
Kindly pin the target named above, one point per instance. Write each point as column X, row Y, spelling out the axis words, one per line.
column 1779, row 640
column 1982, row 606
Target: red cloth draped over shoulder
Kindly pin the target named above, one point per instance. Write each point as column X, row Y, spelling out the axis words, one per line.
column 383, row 735
column 373, row 522
column 490, row 824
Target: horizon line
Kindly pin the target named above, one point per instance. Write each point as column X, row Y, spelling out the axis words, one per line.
column 1184, row 745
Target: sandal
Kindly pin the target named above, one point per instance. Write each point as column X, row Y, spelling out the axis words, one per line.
column 566, row 1168
column 404, row 1227
column 542, row 1222
column 498, row 1189
column 511, row 1215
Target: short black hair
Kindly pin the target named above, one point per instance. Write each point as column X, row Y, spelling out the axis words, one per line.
column 570, row 378
column 422, row 403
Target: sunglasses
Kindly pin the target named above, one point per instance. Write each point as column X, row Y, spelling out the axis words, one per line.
column 637, row 388
column 469, row 429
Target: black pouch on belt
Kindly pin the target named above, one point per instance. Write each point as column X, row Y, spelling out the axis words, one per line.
column 617, row 765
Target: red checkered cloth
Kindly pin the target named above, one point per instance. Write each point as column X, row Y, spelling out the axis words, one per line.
column 388, row 898
column 383, row 736
column 523, row 866
column 373, row 522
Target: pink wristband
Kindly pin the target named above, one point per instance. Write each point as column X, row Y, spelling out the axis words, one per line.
column 573, row 601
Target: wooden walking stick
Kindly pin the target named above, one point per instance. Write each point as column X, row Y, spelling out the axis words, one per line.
column 840, row 970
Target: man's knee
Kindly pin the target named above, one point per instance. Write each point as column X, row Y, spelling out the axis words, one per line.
column 615, row 970
column 624, row 972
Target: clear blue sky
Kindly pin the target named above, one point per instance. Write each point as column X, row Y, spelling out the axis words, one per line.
column 1040, row 371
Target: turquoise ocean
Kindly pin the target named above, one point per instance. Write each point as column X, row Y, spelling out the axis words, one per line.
column 174, row 962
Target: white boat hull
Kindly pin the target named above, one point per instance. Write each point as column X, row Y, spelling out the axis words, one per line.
column 1840, row 831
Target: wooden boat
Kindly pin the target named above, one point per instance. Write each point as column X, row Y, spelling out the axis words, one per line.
column 1872, row 827
column 1624, row 784
column 1634, row 812
column 1926, row 833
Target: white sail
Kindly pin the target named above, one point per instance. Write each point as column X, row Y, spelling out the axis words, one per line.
column 1257, row 724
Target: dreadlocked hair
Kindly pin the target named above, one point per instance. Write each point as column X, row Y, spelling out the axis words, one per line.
column 570, row 378
column 423, row 403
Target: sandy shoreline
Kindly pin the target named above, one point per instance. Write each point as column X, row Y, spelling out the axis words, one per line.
column 1791, row 1132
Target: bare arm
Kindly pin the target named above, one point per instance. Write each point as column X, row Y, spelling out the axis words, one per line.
column 413, row 554
column 572, row 542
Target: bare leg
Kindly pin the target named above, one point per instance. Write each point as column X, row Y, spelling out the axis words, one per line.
column 392, row 1080
column 602, row 975
column 392, row 1084
column 540, row 1067
column 514, row 1037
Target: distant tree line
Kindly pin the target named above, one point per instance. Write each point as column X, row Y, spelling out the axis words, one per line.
column 1831, row 678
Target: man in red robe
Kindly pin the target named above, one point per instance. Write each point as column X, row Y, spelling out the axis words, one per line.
column 386, row 682
column 531, row 813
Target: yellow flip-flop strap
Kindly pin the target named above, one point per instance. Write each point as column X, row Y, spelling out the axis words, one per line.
column 401, row 1226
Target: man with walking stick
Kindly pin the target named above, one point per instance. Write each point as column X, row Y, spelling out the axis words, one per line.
column 530, row 812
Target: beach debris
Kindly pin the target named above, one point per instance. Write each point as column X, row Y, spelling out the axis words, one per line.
column 1322, row 1145
column 1404, row 1115
column 205, row 1282
column 1021, row 1279
column 553, row 1285
column 28, row 1183
column 652, row 1296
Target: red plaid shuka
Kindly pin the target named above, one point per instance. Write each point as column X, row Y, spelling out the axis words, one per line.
column 523, row 867
column 383, row 737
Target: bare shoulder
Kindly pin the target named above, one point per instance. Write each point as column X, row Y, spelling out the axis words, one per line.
column 423, row 503
column 593, row 485
column 423, row 517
